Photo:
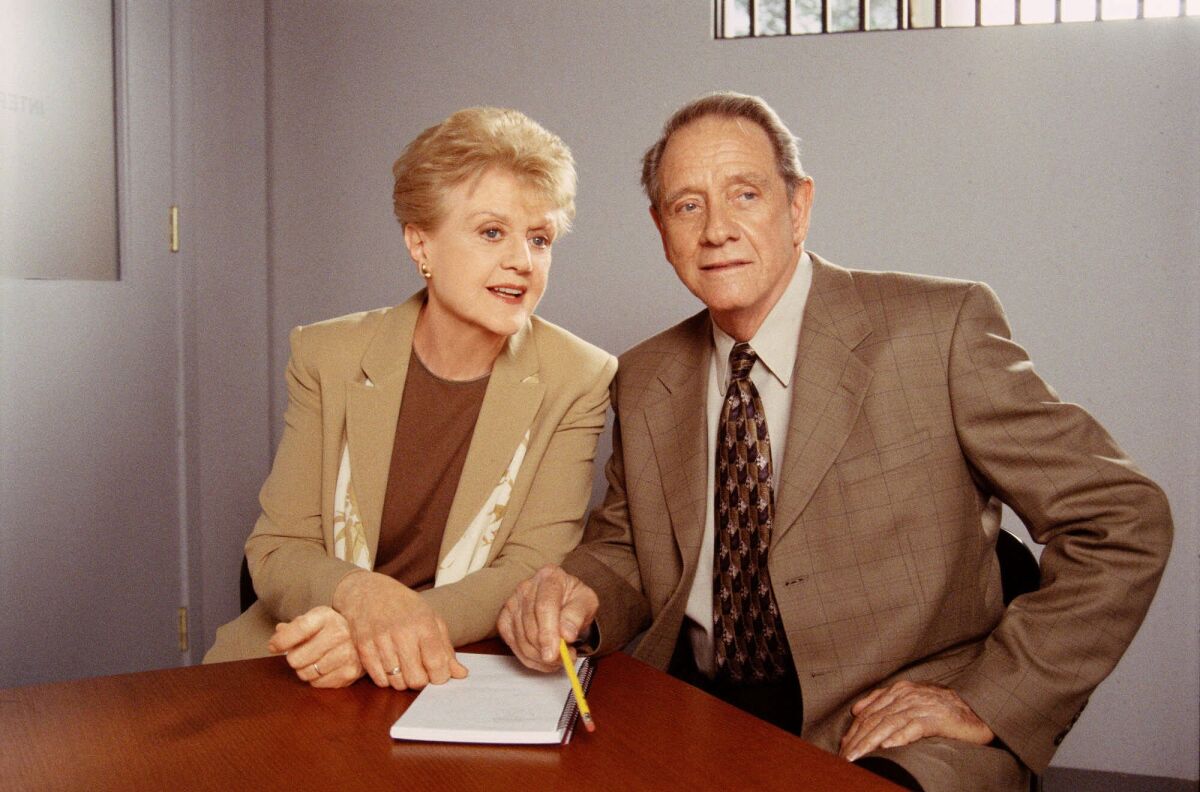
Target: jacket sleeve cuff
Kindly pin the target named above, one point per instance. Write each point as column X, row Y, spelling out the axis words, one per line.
column 1025, row 729
column 623, row 611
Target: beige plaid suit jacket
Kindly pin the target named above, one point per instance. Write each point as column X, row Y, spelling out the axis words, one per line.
column 913, row 416
column 545, row 381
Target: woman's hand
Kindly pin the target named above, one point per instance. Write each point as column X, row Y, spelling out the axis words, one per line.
column 400, row 640
column 319, row 648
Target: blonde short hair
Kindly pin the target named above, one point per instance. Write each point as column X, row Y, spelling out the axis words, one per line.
column 467, row 144
column 728, row 105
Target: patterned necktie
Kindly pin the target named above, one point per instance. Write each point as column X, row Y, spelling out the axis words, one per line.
column 748, row 636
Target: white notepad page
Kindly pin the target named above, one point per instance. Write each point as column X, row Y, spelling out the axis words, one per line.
column 500, row 701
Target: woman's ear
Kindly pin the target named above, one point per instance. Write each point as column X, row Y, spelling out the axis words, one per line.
column 416, row 241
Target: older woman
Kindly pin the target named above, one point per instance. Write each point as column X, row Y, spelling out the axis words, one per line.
column 438, row 452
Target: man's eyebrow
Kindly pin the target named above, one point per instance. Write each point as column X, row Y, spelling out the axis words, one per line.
column 675, row 195
column 741, row 177
column 748, row 177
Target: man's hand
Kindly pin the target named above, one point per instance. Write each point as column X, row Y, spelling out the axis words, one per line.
column 319, row 648
column 400, row 640
column 546, row 607
column 904, row 712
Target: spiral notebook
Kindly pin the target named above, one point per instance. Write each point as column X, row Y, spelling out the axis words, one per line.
column 500, row 701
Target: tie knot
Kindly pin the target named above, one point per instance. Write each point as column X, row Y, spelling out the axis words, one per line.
column 741, row 360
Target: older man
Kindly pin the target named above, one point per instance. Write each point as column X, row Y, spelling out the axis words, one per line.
column 805, row 489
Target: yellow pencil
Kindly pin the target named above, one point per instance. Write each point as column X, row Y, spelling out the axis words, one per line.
column 576, row 688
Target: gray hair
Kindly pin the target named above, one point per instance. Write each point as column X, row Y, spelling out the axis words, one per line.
column 735, row 106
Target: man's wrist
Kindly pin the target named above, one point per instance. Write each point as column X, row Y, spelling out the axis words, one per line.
column 589, row 642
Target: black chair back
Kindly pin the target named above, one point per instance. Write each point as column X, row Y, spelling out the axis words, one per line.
column 1019, row 574
column 1019, row 571
column 247, row 586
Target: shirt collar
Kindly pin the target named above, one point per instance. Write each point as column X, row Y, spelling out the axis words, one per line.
column 778, row 339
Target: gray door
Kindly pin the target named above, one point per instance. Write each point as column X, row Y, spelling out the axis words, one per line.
column 90, row 429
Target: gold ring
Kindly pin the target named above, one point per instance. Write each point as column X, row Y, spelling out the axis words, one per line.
column 394, row 671
column 317, row 669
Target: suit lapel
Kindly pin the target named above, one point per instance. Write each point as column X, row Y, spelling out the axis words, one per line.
column 679, row 432
column 514, row 395
column 372, row 410
column 829, row 383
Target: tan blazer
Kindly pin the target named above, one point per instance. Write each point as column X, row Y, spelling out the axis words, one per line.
column 545, row 380
column 913, row 415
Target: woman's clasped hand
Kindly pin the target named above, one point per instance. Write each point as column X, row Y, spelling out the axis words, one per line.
column 378, row 626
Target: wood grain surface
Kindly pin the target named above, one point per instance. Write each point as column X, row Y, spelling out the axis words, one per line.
column 252, row 725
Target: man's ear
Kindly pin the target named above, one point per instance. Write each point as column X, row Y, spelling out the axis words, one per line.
column 801, row 211
column 662, row 234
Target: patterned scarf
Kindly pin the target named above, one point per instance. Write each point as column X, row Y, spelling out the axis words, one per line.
column 468, row 555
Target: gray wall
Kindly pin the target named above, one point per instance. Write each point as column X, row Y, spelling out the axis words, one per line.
column 1057, row 163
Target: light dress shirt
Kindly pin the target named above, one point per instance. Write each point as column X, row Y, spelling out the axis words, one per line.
column 775, row 343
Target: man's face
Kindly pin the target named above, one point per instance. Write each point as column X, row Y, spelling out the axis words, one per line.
column 727, row 225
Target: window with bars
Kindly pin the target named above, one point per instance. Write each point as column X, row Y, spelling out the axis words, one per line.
column 749, row 18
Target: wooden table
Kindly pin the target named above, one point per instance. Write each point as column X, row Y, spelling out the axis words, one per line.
column 252, row 725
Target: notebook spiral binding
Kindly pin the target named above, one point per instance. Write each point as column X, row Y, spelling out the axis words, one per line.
column 567, row 721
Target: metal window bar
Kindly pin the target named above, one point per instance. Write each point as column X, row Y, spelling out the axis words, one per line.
column 904, row 15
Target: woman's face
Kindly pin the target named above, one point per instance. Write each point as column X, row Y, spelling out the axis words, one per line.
column 489, row 257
